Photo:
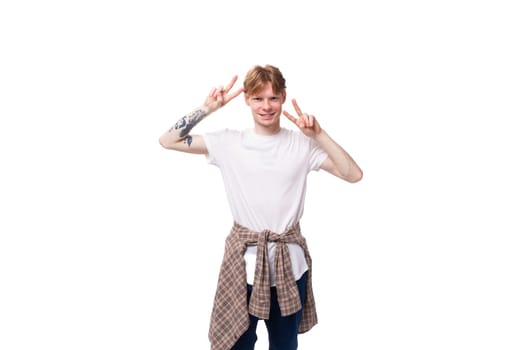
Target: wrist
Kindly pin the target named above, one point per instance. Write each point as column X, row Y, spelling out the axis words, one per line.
column 207, row 110
column 319, row 135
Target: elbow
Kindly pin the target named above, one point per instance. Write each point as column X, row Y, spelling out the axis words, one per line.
column 163, row 142
column 354, row 176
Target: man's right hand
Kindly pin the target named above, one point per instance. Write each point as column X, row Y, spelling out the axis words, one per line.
column 220, row 96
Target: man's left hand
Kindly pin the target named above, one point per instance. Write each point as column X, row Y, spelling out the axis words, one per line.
column 305, row 122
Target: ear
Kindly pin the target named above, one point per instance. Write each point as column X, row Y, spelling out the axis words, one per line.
column 284, row 96
column 247, row 99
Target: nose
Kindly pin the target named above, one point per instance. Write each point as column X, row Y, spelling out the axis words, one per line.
column 266, row 104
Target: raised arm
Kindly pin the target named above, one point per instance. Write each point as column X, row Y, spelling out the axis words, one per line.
column 178, row 137
column 338, row 162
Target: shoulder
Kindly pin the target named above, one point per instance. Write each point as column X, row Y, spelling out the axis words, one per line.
column 222, row 134
column 219, row 139
column 296, row 137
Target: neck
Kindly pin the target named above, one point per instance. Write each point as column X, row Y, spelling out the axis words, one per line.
column 267, row 130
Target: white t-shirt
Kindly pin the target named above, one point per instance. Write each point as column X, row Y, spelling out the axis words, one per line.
column 265, row 183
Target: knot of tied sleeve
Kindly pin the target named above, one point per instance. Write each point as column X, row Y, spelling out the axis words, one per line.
column 230, row 315
column 286, row 286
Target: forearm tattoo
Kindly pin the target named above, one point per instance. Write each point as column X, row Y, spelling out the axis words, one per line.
column 188, row 140
column 186, row 123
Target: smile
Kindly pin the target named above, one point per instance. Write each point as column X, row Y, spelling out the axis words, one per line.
column 267, row 116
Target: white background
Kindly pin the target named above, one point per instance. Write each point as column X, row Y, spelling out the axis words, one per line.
column 108, row 241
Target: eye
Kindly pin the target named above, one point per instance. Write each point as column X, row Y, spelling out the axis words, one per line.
column 275, row 99
column 257, row 99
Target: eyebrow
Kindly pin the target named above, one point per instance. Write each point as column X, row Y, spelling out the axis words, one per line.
column 259, row 96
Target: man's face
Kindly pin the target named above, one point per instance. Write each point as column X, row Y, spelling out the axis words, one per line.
column 266, row 107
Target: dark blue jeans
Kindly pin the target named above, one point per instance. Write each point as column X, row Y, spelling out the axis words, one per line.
column 282, row 331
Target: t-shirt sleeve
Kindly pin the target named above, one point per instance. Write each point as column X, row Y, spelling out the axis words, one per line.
column 215, row 142
column 317, row 155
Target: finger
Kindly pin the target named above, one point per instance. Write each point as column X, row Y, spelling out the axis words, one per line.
column 220, row 99
column 237, row 93
column 219, row 91
column 233, row 95
column 230, row 85
column 310, row 120
column 296, row 106
column 290, row 117
column 304, row 119
column 212, row 92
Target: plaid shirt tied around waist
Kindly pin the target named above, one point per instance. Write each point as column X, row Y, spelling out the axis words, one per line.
column 230, row 315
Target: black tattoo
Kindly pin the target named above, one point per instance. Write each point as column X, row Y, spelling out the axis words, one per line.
column 188, row 140
column 193, row 119
column 187, row 122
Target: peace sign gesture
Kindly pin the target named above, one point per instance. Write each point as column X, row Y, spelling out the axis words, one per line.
column 219, row 96
column 305, row 122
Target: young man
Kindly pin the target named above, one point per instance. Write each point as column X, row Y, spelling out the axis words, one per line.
column 266, row 269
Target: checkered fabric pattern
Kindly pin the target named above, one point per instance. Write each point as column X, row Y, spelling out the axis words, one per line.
column 230, row 319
